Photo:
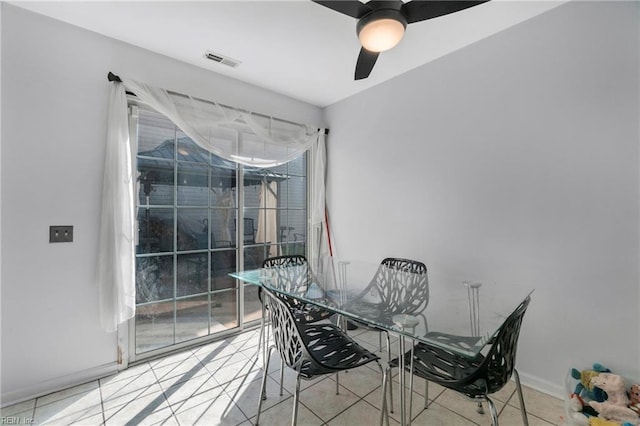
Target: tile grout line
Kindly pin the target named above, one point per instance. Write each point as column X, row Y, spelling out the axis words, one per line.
column 351, row 405
column 173, row 413
column 104, row 416
column 35, row 404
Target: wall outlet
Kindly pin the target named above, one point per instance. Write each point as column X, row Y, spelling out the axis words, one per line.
column 60, row 234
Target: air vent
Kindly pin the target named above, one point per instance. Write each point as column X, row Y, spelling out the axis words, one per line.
column 225, row 60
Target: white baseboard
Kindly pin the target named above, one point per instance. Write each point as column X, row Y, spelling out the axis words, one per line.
column 59, row 383
column 543, row 386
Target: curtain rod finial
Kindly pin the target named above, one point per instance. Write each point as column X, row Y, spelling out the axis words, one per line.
column 112, row 77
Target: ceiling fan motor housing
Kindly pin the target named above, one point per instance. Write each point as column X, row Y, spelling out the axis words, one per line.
column 379, row 15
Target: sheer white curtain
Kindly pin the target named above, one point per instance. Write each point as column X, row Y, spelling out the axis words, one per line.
column 116, row 262
column 318, row 243
column 230, row 133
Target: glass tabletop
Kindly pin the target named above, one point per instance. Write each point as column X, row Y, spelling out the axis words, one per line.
column 457, row 315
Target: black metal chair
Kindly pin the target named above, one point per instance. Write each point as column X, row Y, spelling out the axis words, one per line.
column 300, row 281
column 291, row 273
column 249, row 236
column 402, row 287
column 249, row 233
column 312, row 349
column 475, row 378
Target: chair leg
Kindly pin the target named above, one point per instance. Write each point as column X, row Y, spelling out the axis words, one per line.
column 263, row 386
column 337, row 383
column 266, row 336
column 411, row 385
column 494, row 413
column 390, row 380
column 426, row 394
column 261, row 347
column 390, row 383
column 409, row 414
column 281, row 375
column 523, row 408
column 261, row 332
column 383, row 404
column 296, row 399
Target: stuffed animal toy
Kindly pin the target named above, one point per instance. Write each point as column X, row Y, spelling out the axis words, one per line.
column 615, row 413
column 615, row 408
column 613, row 385
column 584, row 388
column 597, row 421
column 575, row 410
column 634, row 398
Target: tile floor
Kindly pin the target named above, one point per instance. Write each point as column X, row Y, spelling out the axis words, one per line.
column 218, row 384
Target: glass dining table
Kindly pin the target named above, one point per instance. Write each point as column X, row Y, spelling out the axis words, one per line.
column 458, row 313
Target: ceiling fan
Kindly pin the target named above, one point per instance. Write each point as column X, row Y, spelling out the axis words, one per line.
column 381, row 23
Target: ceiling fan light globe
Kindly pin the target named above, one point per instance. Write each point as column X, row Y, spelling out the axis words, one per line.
column 381, row 34
column 381, row 29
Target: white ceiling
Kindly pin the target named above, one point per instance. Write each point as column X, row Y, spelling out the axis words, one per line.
column 295, row 47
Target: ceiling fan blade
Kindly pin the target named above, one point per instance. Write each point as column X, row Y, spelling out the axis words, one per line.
column 421, row 10
column 366, row 61
column 352, row 8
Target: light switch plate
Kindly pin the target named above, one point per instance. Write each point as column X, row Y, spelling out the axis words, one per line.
column 61, row 234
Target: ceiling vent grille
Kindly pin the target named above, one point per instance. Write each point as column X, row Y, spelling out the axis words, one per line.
column 225, row 60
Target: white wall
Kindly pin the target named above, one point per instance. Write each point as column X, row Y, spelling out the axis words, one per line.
column 54, row 113
column 514, row 160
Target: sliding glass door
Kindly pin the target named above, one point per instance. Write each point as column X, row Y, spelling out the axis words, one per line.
column 200, row 217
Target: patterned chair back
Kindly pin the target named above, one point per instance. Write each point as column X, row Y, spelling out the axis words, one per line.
column 403, row 285
column 499, row 363
column 292, row 274
column 285, row 334
column 289, row 273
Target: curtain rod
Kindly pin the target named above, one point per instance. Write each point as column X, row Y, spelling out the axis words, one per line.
column 114, row 78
